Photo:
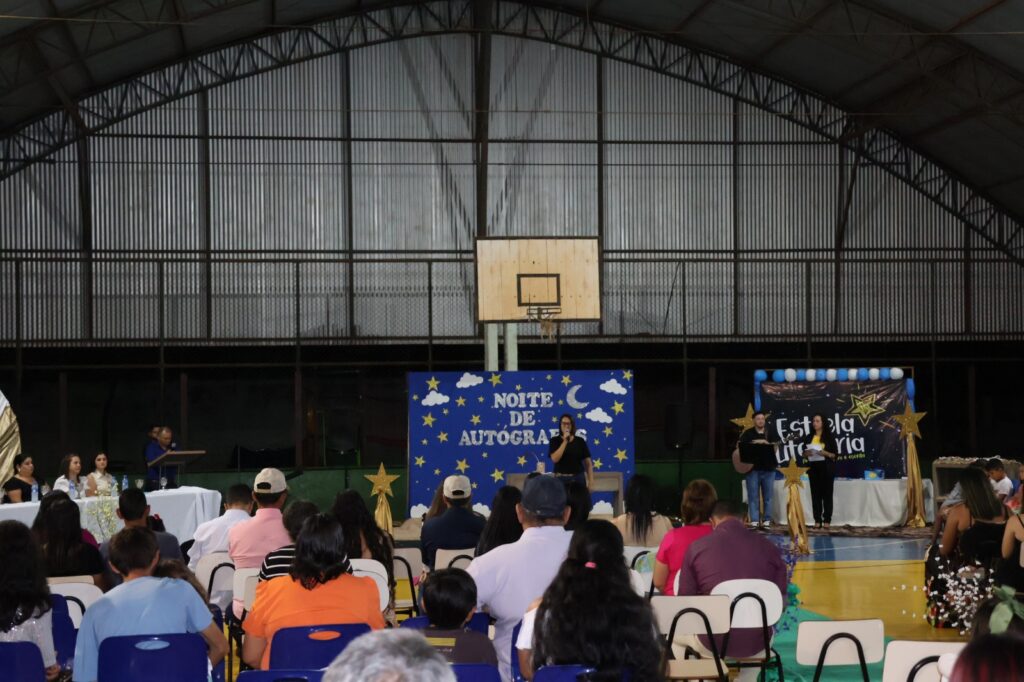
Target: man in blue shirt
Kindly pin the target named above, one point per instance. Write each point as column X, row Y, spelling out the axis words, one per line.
column 164, row 443
column 459, row 527
column 142, row 605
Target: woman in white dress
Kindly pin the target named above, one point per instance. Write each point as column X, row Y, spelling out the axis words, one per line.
column 99, row 482
column 70, row 481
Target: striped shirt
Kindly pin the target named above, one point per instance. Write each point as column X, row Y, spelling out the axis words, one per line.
column 277, row 563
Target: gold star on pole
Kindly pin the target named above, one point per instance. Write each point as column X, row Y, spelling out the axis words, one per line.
column 598, row 463
column 793, row 472
column 618, row 407
column 746, row 421
column 420, row 461
column 433, row 383
column 864, row 408
column 498, row 475
column 428, row 419
column 627, row 375
column 475, row 419
column 382, row 481
column 495, row 380
column 521, row 461
column 908, row 422
column 460, row 401
column 607, row 431
column 442, row 437
column 621, row 455
column 461, row 465
column 566, row 380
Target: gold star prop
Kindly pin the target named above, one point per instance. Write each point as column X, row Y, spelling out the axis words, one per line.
column 908, row 422
column 864, row 408
column 794, row 506
column 433, row 383
column 627, row 375
column 792, row 472
column 460, row 401
column 461, row 465
column 521, row 461
column 498, row 475
column 495, row 380
column 420, row 461
column 382, row 481
column 617, row 407
column 429, row 419
column 746, row 421
column 598, row 463
column 621, row 455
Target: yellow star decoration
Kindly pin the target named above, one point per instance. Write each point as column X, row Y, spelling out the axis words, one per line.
column 908, row 422
column 566, row 380
column 607, row 431
column 864, row 408
column 415, row 397
column 621, row 455
column 433, row 383
column 484, row 455
column 444, row 411
column 498, row 475
column 424, row 441
column 475, row 419
column 579, row 415
column 598, row 463
column 495, row 380
column 554, row 419
column 597, row 442
column 461, row 465
column 548, row 377
column 618, row 407
column 437, row 472
column 746, row 421
column 521, row 461
column 561, row 402
column 442, row 437
column 428, row 420
column 519, row 387
column 460, row 401
column 381, row 481
column 627, row 375
column 479, row 398
column 793, row 472
column 420, row 461
column 474, row 486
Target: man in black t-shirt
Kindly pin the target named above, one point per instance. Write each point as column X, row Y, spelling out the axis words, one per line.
column 570, row 454
column 761, row 480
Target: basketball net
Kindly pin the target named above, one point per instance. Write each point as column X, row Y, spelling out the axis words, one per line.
column 545, row 317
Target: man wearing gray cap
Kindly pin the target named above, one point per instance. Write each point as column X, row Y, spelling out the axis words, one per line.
column 459, row 527
column 508, row 578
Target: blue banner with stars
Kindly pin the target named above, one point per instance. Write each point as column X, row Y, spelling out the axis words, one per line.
column 487, row 425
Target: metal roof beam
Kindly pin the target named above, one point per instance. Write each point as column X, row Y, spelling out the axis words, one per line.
column 806, row 26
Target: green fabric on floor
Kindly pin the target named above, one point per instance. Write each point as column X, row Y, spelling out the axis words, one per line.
column 785, row 644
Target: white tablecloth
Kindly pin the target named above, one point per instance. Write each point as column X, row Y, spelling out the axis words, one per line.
column 857, row 502
column 181, row 510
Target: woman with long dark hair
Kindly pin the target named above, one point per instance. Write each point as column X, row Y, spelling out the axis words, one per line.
column 820, row 452
column 502, row 527
column 641, row 525
column 590, row 614
column 975, row 528
column 70, row 479
column 100, row 482
column 25, row 608
column 65, row 553
column 320, row 590
column 570, row 454
column 19, row 487
column 363, row 537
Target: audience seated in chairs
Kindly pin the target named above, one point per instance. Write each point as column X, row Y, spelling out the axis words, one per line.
column 449, row 599
column 321, row 590
column 699, row 498
column 64, row 551
column 641, row 525
column 390, row 656
column 249, row 542
column 510, row 577
column 502, row 525
column 211, row 536
column 26, row 613
column 143, row 604
column 134, row 511
column 590, row 615
column 459, row 527
column 730, row 552
column 279, row 562
column 364, row 539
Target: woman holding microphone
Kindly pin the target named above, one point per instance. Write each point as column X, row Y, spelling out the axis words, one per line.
column 570, row 454
column 820, row 452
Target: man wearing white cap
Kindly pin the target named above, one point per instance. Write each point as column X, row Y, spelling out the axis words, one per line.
column 459, row 527
column 249, row 542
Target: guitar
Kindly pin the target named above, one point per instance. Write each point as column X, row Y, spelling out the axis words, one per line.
column 744, row 468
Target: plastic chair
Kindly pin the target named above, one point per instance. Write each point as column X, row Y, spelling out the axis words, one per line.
column 702, row 615
column 480, row 622
column 476, row 672
column 640, row 586
column 400, row 565
column 21, row 661
column 634, row 554
column 87, row 579
column 64, row 633
column 216, row 572
column 82, row 595
column 840, row 642
column 154, row 658
column 243, row 587
column 454, row 558
column 517, row 672
column 312, row 646
column 916, row 661
column 561, row 673
column 755, row 604
column 281, row 676
column 374, row 569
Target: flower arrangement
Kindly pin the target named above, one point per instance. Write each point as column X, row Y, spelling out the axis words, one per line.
column 101, row 516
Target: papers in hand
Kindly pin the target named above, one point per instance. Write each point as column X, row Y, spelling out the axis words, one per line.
column 813, row 452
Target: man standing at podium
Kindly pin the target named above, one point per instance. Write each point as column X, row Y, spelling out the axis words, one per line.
column 164, row 443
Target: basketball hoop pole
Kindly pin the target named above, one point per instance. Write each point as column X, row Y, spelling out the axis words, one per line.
column 511, row 347
column 491, row 347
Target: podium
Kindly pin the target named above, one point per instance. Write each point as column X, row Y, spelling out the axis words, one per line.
column 176, row 458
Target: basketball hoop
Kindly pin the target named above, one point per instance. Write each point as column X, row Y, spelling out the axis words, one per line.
column 544, row 315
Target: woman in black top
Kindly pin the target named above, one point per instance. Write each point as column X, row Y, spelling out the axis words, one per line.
column 570, row 454
column 19, row 488
column 823, row 471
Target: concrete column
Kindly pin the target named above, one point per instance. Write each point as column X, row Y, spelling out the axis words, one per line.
column 491, row 347
column 511, row 347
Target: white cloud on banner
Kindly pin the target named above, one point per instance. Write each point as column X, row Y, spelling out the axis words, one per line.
column 602, row 508
column 613, row 386
column 434, row 398
column 468, row 380
column 418, row 511
column 480, row 508
column 598, row 415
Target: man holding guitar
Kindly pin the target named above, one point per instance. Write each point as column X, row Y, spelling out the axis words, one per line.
column 760, row 475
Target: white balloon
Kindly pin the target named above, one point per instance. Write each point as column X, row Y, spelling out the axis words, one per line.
column 790, row 374
column 830, row 375
column 853, row 373
column 812, row 375
column 873, row 374
column 896, row 372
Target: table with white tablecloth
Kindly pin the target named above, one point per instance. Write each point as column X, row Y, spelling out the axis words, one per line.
column 856, row 502
column 181, row 510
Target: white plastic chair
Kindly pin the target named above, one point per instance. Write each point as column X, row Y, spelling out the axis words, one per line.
column 82, row 595
column 244, row 583
column 840, row 642
column 446, row 558
column 631, row 552
column 907, row 661
column 374, row 569
column 407, row 565
column 87, row 579
column 640, row 586
column 216, row 573
column 748, row 596
column 682, row 616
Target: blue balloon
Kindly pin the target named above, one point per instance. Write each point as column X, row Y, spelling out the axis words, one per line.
column 862, row 373
column 820, row 374
column 757, row 401
column 801, row 375
column 843, row 375
column 778, row 376
column 760, row 375
column 910, row 388
column 885, row 373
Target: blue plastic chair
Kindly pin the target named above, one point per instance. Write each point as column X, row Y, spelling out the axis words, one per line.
column 561, row 673
column 21, row 661
column 517, row 673
column 154, row 658
column 476, row 672
column 280, row 676
column 302, row 649
column 64, row 633
column 218, row 618
column 480, row 622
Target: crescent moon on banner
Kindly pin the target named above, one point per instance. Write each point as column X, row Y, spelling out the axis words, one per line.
column 570, row 398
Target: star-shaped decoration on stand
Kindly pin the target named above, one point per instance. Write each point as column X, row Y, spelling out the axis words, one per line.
column 566, row 380
column 461, row 465
column 864, row 408
column 433, row 383
column 617, row 407
column 381, row 481
column 442, row 437
column 621, row 455
column 908, row 422
column 498, row 475
column 746, row 421
column 792, row 472
column 460, row 401
column 495, row 380
column 475, row 419
column 521, row 461
column 419, row 461
column 607, row 431
column 627, row 375
column 598, row 463
column 429, row 419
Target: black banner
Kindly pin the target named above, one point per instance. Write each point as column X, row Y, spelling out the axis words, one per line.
column 859, row 414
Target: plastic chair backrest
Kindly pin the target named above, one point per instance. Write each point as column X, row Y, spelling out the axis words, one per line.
column 747, row 612
column 64, row 634
column 634, row 555
column 312, row 646
column 714, row 607
column 640, row 585
column 244, row 584
column 517, row 673
column 81, row 595
column 675, row 582
column 280, row 676
column 902, row 656
column 476, row 672
column 480, row 622
column 21, row 661
column 87, row 579
column 414, row 556
column 374, row 569
column 444, row 558
column 812, row 636
column 216, row 573
column 154, row 658
column 560, row 673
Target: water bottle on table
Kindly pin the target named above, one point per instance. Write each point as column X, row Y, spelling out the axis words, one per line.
column 124, row 483
column 35, row 492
